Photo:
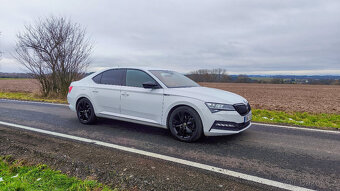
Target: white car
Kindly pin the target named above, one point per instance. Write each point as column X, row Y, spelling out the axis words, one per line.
column 160, row 98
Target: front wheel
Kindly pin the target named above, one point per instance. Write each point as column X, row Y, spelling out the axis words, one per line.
column 185, row 124
column 85, row 111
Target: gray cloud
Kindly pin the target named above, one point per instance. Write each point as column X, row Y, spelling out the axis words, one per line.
column 262, row 36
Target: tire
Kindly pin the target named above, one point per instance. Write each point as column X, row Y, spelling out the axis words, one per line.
column 185, row 124
column 85, row 111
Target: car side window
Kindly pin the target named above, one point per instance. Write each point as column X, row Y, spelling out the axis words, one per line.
column 111, row 77
column 97, row 78
column 136, row 78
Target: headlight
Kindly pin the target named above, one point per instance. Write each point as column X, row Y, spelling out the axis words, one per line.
column 215, row 107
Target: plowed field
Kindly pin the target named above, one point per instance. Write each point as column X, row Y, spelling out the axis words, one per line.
column 19, row 85
column 281, row 97
column 287, row 97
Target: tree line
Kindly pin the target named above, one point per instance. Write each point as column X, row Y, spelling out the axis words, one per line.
column 216, row 75
column 220, row 75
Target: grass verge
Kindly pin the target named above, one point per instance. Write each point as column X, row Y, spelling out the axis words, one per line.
column 14, row 175
column 322, row 120
column 28, row 97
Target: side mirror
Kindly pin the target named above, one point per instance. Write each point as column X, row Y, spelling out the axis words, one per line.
column 150, row 85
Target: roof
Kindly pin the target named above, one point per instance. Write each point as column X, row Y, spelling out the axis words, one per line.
column 132, row 67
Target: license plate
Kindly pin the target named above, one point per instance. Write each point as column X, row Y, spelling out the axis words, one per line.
column 247, row 118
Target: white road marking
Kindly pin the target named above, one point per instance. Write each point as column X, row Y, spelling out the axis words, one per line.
column 166, row 158
column 297, row 128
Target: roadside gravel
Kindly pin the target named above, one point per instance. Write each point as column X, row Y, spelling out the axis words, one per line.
column 114, row 168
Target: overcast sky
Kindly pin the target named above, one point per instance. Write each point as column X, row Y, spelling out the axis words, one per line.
column 251, row 37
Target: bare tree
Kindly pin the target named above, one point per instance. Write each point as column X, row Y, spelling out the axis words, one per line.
column 56, row 52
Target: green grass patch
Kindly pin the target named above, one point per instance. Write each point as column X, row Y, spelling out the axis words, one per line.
column 16, row 176
column 297, row 118
column 28, row 97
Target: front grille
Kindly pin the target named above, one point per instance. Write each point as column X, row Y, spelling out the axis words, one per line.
column 242, row 109
column 230, row 126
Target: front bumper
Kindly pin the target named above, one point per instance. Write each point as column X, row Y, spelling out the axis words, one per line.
column 225, row 123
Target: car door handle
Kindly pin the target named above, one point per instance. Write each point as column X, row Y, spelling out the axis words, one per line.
column 95, row 91
column 125, row 94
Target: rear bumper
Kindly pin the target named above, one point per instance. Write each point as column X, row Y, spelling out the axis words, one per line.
column 70, row 101
column 72, row 107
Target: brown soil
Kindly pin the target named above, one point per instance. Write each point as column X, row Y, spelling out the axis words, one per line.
column 287, row 97
column 281, row 97
column 112, row 167
column 19, row 85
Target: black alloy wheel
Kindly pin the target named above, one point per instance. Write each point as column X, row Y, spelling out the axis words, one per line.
column 185, row 124
column 85, row 111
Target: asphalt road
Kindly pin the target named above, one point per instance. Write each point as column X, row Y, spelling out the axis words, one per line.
column 303, row 158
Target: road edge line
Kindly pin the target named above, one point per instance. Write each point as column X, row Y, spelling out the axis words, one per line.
column 37, row 102
column 166, row 158
column 297, row 128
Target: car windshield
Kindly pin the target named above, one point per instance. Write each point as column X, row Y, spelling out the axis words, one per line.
column 173, row 79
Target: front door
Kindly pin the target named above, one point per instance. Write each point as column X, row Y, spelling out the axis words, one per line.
column 140, row 103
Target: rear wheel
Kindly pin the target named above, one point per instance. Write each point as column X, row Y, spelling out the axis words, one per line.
column 185, row 124
column 85, row 111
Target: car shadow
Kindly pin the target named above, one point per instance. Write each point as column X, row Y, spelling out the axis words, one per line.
column 158, row 133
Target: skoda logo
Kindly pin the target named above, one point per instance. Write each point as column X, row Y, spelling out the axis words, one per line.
column 245, row 103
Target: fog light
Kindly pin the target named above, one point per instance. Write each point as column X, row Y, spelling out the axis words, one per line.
column 224, row 125
column 228, row 125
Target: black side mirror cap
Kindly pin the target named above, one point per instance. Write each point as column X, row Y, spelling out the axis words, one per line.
column 150, row 85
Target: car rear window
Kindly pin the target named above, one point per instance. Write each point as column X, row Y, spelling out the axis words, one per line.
column 111, row 77
column 97, row 78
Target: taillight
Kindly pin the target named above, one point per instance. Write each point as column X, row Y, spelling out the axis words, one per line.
column 70, row 89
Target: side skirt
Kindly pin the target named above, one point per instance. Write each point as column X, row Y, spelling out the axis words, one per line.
column 138, row 121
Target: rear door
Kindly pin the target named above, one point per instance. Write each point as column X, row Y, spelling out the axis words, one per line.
column 140, row 103
column 106, row 91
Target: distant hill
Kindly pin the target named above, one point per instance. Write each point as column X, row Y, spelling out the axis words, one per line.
column 315, row 77
column 15, row 75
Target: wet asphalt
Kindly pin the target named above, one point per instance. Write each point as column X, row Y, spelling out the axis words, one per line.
column 298, row 157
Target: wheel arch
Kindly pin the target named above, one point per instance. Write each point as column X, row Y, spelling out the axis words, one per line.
column 79, row 98
column 173, row 107
column 84, row 96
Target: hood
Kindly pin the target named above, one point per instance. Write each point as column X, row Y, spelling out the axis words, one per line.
column 207, row 94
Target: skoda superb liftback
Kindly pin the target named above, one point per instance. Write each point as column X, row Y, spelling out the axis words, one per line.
column 159, row 98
